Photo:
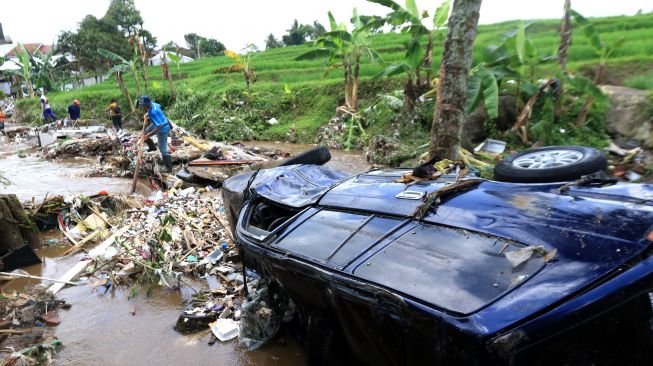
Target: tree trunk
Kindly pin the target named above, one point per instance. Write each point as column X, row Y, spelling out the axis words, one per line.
column 565, row 43
column 452, row 91
column 582, row 116
column 598, row 78
column 410, row 95
column 354, row 89
column 565, row 37
column 135, row 77
column 144, row 59
column 347, row 83
column 125, row 92
column 428, row 62
column 167, row 76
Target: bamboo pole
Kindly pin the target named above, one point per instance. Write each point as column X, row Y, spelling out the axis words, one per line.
column 20, row 275
column 140, row 155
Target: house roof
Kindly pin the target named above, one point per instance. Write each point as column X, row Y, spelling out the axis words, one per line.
column 31, row 48
column 4, row 39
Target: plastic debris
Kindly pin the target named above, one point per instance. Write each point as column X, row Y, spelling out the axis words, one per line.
column 225, row 329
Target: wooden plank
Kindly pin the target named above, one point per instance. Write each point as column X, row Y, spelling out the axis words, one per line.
column 20, row 275
column 221, row 162
column 77, row 268
column 79, row 245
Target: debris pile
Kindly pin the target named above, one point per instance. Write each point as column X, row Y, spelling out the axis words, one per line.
column 332, row 134
column 81, row 147
column 24, row 320
column 628, row 164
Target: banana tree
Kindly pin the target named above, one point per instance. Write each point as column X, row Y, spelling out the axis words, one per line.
column 247, row 65
column 518, row 58
column 417, row 58
column 603, row 49
column 166, row 75
column 127, row 65
column 176, row 58
column 123, row 66
column 344, row 49
column 24, row 61
column 482, row 87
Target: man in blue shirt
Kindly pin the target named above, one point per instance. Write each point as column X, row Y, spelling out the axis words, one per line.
column 74, row 111
column 160, row 126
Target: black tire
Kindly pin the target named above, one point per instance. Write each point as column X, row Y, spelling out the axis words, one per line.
column 592, row 161
column 318, row 156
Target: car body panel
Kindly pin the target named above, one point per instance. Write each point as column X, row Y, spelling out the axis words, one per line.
column 464, row 294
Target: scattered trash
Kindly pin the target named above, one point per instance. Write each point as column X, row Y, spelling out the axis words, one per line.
column 491, row 146
column 224, row 329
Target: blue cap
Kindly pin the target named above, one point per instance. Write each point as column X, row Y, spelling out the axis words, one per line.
column 144, row 101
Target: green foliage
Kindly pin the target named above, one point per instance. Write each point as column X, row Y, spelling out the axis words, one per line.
column 207, row 47
column 271, row 42
column 202, row 91
column 299, row 34
column 564, row 131
column 642, row 81
column 417, row 57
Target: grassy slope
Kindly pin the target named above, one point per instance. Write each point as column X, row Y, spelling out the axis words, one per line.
column 319, row 93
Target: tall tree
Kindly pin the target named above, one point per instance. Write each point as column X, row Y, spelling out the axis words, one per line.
column 202, row 46
column 93, row 33
column 452, row 91
column 272, row 42
column 124, row 15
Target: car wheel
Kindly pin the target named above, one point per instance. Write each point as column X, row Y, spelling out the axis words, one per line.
column 550, row 164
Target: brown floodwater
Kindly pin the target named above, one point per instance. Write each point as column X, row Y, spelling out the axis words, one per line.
column 99, row 329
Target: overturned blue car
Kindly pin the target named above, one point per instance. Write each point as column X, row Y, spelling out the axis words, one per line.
column 456, row 269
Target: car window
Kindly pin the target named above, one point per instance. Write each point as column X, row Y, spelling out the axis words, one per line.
column 336, row 237
column 451, row 268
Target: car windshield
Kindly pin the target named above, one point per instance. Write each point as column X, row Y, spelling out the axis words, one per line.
column 336, row 238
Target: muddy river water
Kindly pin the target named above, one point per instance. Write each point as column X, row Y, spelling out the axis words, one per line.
column 100, row 329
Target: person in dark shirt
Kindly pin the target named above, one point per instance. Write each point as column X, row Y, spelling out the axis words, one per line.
column 115, row 113
column 74, row 111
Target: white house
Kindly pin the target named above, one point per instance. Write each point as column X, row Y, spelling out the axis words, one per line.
column 157, row 59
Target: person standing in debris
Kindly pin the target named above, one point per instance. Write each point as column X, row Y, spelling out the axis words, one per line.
column 3, row 118
column 116, row 114
column 47, row 110
column 74, row 111
column 160, row 126
column 15, row 87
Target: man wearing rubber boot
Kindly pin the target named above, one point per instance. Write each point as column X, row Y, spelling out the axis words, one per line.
column 160, row 126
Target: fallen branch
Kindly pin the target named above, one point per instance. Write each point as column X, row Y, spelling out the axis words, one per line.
column 15, row 331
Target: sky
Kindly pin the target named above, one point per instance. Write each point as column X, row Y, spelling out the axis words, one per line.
column 237, row 23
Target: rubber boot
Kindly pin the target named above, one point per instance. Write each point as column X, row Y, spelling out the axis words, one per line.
column 167, row 161
column 151, row 146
